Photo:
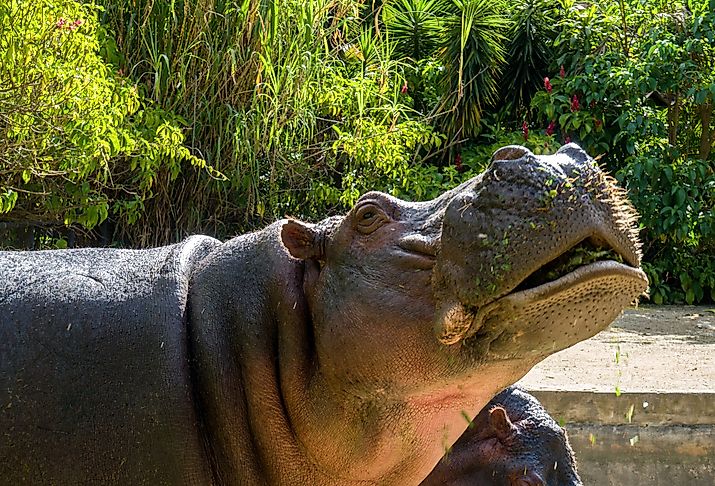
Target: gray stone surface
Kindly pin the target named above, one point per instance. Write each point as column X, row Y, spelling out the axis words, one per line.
column 668, row 349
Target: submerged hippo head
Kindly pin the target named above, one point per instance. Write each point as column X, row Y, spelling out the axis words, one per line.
column 513, row 441
column 428, row 309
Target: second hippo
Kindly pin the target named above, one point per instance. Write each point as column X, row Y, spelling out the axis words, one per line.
column 513, row 441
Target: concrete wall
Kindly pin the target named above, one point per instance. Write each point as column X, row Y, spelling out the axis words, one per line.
column 618, row 441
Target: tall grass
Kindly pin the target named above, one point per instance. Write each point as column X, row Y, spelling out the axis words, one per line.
column 244, row 76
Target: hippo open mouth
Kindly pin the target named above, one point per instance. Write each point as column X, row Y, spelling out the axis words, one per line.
column 583, row 282
column 579, row 256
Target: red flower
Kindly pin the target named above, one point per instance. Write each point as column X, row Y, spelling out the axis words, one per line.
column 551, row 128
column 567, row 139
column 598, row 123
column 562, row 72
column 547, row 85
column 458, row 162
column 574, row 103
column 403, row 90
column 75, row 24
column 61, row 22
column 525, row 130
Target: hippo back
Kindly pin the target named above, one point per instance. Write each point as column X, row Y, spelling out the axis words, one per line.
column 94, row 376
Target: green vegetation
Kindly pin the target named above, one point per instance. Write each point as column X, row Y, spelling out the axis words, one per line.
column 78, row 141
column 169, row 118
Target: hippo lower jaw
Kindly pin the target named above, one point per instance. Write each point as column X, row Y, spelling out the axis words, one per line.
column 592, row 294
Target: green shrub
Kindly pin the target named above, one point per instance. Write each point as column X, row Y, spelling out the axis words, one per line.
column 79, row 142
column 473, row 54
column 300, row 104
column 676, row 200
column 643, row 102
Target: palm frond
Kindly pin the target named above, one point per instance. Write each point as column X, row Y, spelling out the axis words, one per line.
column 473, row 54
column 414, row 26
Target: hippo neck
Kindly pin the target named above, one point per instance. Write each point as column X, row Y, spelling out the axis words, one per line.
column 267, row 415
column 252, row 353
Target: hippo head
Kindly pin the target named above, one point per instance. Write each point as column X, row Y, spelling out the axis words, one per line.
column 513, row 441
column 430, row 308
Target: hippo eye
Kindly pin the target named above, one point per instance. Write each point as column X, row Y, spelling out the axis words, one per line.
column 369, row 217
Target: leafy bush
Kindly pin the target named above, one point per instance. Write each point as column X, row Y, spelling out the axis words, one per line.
column 79, row 142
column 299, row 103
column 305, row 104
column 530, row 52
column 473, row 54
column 375, row 138
column 676, row 199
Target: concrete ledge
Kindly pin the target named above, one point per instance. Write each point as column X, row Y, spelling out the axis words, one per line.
column 646, row 409
column 634, row 443
column 631, row 454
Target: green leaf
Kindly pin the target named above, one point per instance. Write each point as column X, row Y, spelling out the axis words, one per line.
column 668, row 173
column 701, row 96
column 690, row 296
column 114, row 143
column 550, row 110
column 680, row 196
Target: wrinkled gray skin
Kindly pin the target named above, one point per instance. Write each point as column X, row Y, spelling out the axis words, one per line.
column 339, row 353
column 513, row 441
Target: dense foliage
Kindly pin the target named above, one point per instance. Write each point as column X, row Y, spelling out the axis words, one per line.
column 644, row 98
column 78, row 141
column 161, row 119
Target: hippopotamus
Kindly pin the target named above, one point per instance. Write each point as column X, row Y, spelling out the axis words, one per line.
column 346, row 351
column 513, row 441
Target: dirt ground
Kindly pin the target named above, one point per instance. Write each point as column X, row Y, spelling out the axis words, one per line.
column 648, row 349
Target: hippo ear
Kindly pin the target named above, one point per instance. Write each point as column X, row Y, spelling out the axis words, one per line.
column 500, row 423
column 302, row 240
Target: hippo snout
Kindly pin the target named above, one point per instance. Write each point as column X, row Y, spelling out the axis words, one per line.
column 536, row 224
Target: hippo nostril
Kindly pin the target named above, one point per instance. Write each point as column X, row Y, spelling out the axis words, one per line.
column 575, row 153
column 511, row 152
